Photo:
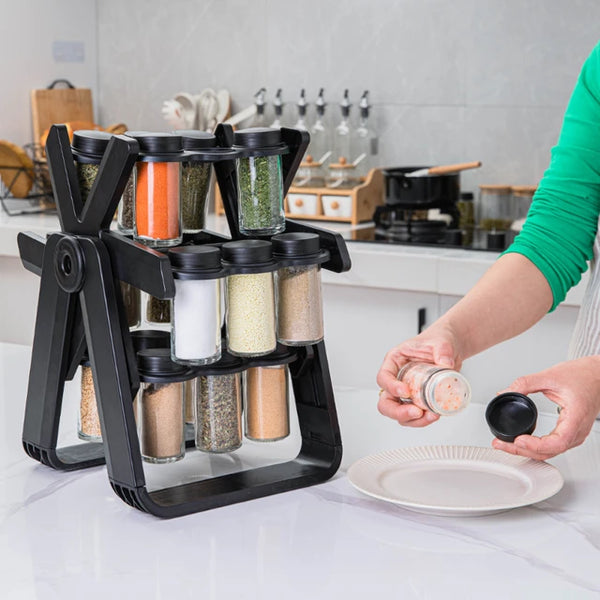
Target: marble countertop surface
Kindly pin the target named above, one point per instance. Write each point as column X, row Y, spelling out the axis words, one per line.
column 67, row 535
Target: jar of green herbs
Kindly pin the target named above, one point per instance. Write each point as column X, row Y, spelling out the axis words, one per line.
column 88, row 147
column 260, row 180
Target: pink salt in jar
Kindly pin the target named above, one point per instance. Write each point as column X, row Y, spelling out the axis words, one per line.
column 441, row 390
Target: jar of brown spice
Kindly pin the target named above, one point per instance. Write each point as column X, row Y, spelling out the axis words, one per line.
column 298, row 288
column 160, row 406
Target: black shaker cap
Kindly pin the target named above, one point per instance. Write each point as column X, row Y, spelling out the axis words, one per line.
column 510, row 415
column 248, row 256
column 156, row 143
column 90, row 144
column 259, row 141
column 226, row 365
column 298, row 247
column 196, row 262
column 155, row 366
column 194, row 139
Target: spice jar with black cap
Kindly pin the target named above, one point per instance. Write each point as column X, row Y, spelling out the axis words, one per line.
column 266, row 396
column 250, row 297
column 196, row 306
column 157, row 206
column 88, row 423
column 260, row 180
column 298, row 288
column 88, row 147
column 218, row 415
column 160, row 405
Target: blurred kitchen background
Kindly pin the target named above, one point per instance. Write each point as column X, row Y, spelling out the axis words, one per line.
column 449, row 81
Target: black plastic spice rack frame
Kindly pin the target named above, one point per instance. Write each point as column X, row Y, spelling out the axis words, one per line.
column 80, row 310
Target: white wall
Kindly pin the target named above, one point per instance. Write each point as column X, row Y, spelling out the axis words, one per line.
column 28, row 29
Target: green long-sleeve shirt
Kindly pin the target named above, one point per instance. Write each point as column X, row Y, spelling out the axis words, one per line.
column 559, row 232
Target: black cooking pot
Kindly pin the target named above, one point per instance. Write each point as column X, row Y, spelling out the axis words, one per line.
column 427, row 191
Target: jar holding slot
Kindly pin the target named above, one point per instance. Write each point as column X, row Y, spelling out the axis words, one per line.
column 440, row 390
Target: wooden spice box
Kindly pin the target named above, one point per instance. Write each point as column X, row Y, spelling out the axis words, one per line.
column 361, row 200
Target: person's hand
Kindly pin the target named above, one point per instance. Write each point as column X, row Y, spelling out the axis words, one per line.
column 573, row 385
column 435, row 345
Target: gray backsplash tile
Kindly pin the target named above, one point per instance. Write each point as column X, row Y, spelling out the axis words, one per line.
column 450, row 81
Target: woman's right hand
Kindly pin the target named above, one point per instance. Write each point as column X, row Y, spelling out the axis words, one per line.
column 437, row 345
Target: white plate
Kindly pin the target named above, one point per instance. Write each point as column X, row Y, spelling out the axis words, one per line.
column 455, row 480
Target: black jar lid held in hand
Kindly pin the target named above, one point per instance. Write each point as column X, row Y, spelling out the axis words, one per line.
column 196, row 262
column 259, row 141
column 298, row 248
column 248, row 256
column 510, row 415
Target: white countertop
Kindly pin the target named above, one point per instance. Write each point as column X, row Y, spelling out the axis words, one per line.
column 67, row 535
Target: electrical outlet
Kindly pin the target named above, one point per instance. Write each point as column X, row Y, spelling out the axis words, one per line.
column 63, row 51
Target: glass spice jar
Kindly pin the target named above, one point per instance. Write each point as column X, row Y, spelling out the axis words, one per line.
column 157, row 177
column 260, row 180
column 132, row 302
column 342, row 175
column 266, row 397
column 88, row 423
column 522, row 196
column 88, row 148
column 441, row 390
column 160, row 406
column 218, row 417
column 189, row 399
column 495, row 207
column 298, row 288
column 196, row 307
column 309, row 174
column 249, row 297
column 156, row 311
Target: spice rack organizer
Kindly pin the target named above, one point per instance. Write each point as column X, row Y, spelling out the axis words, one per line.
column 80, row 309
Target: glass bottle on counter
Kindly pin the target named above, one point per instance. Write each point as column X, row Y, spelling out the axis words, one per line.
column 160, row 406
column 260, row 180
column 365, row 140
column 302, row 104
column 157, row 204
column 218, row 414
column 259, row 101
column 342, row 143
column 320, row 136
column 298, row 288
column 278, row 108
column 250, row 298
column 196, row 307
column 439, row 389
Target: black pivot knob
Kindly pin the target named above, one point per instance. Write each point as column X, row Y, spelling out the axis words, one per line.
column 69, row 265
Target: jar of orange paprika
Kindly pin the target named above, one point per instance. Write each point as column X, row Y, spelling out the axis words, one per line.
column 157, row 178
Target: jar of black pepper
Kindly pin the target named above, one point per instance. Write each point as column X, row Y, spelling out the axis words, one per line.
column 260, row 180
column 132, row 303
column 219, row 405
column 157, row 177
column 249, row 297
column 160, row 406
column 298, row 288
column 156, row 312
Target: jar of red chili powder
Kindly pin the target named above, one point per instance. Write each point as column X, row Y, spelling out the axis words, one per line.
column 157, row 178
column 441, row 390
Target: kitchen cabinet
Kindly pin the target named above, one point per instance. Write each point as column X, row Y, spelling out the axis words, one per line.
column 362, row 324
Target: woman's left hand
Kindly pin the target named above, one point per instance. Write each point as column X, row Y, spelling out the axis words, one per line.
column 575, row 387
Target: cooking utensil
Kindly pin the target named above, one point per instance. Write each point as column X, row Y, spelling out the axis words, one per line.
column 433, row 191
column 444, row 169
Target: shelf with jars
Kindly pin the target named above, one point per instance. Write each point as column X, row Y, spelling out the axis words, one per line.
column 150, row 396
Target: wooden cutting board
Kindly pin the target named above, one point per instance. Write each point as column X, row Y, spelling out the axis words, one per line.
column 59, row 105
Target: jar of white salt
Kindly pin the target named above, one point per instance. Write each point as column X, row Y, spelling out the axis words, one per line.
column 439, row 389
column 250, row 297
column 298, row 284
column 196, row 307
